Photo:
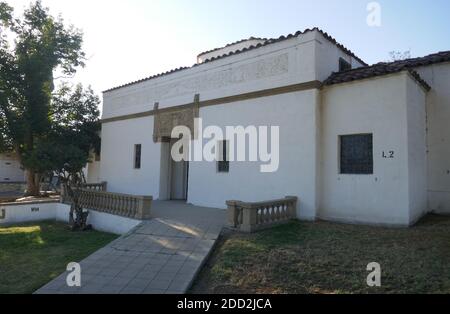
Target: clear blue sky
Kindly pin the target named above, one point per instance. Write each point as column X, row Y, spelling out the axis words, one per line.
column 128, row 40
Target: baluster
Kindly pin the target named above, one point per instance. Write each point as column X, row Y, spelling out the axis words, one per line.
column 134, row 208
column 86, row 199
column 130, row 209
column 136, row 205
column 113, row 201
column 110, row 199
column 128, row 206
column 119, row 205
column 122, row 205
column 110, row 208
column 102, row 204
column 115, row 205
column 98, row 201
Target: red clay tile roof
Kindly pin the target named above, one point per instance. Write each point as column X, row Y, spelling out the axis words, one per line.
column 267, row 42
column 384, row 68
column 231, row 44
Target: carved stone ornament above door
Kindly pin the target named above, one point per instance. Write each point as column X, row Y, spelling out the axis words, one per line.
column 166, row 119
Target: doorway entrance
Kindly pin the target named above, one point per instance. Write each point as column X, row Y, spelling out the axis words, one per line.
column 179, row 171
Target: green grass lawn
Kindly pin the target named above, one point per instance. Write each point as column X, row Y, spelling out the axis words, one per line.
column 33, row 254
column 322, row 257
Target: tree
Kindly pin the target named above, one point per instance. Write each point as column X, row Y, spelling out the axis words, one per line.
column 48, row 130
column 398, row 55
column 66, row 147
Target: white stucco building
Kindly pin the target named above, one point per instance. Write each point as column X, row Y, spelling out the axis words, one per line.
column 358, row 143
column 10, row 168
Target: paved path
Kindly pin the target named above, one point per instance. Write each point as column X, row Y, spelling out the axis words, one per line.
column 161, row 255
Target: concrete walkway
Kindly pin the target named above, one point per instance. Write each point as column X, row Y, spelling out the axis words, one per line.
column 162, row 255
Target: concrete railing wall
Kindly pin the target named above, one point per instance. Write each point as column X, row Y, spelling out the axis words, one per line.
column 125, row 205
column 95, row 186
column 250, row 217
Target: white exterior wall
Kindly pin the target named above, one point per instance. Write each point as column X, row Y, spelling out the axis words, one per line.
column 27, row 212
column 99, row 221
column 327, row 57
column 93, row 172
column 280, row 64
column 31, row 212
column 10, row 169
column 438, row 135
column 295, row 114
column 417, row 150
column 377, row 106
column 117, row 164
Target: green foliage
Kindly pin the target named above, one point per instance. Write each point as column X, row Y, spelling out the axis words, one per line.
column 73, row 134
column 48, row 129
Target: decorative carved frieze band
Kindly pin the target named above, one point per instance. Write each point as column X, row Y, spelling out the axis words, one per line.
column 222, row 100
column 165, row 121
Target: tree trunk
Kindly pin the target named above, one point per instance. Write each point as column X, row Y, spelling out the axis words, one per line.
column 33, row 186
column 77, row 217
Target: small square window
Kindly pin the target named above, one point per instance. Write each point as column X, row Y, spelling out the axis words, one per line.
column 356, row 154
column 344, row 65
column 223, row 164
column 137, row 156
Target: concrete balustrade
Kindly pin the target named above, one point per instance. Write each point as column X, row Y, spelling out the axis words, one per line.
column 251, row 217
column 95, row 186
column 125, row 205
